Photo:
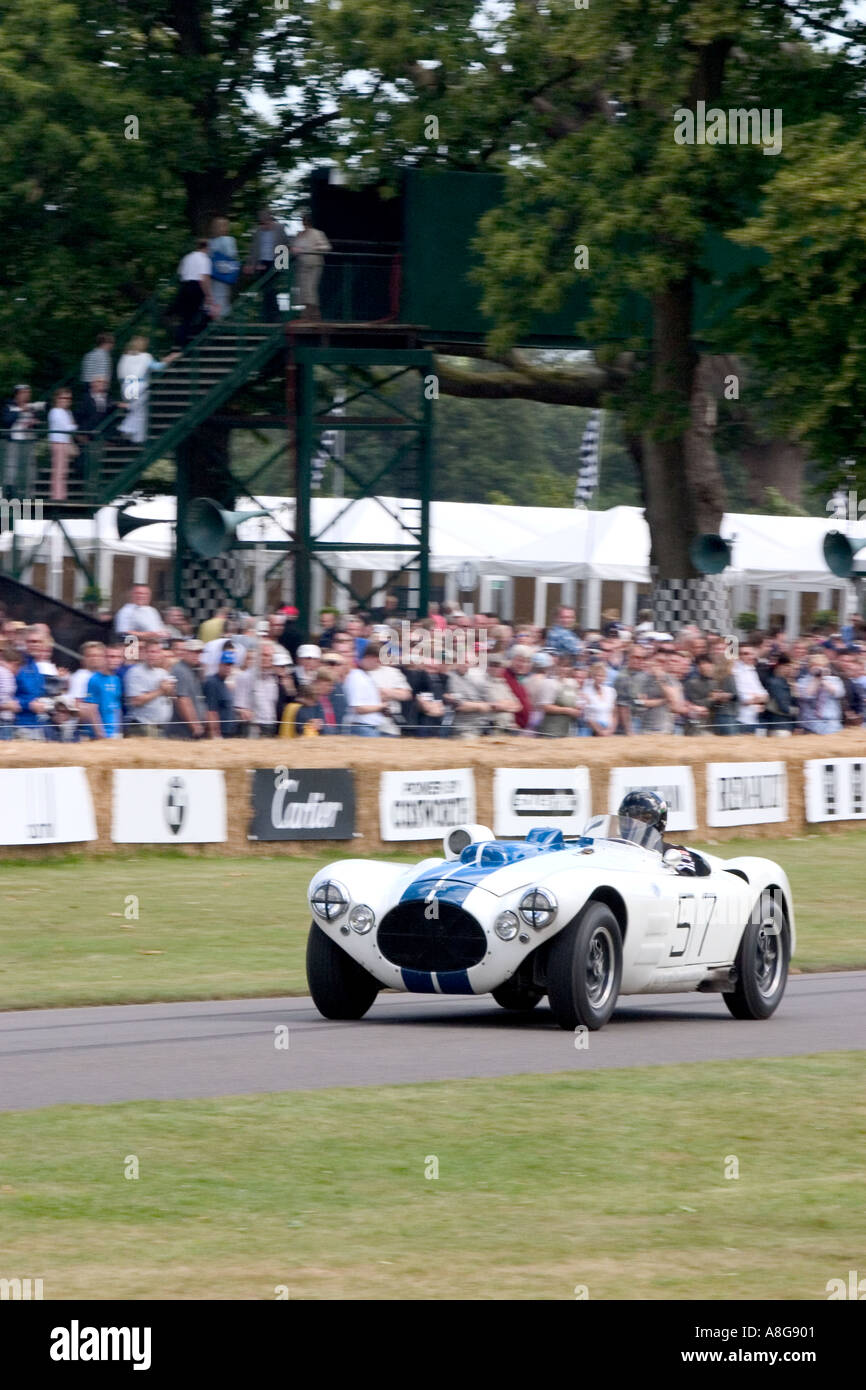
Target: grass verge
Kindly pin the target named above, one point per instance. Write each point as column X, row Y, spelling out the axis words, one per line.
column 617, row 1181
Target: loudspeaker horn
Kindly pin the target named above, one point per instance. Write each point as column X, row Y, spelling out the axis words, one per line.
column 209, row 529
column 126, row 523
column 840, row 552
column 709, row 553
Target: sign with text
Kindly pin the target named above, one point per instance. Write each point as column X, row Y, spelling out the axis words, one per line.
column 835, row 789
column 675, row 784
column 423, row 805
column 555, row 797
column 45, row 806
column 309, row 803
column 746, row 793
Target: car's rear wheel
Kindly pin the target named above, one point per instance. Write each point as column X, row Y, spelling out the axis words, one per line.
column 762, row 962
column 518, row 996
column 584, row 969
column 341, row 988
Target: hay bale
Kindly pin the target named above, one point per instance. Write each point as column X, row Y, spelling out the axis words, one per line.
column 368, row 757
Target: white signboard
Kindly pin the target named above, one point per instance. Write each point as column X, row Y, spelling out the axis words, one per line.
column 746, row 793
column 675, row 784
column 835, row 789
column 423, row 805
column 556, row 797
column 171, row 806
column 45, row 806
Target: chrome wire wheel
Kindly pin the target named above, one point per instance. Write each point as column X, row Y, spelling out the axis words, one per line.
column 600, row 967
column 769, row 958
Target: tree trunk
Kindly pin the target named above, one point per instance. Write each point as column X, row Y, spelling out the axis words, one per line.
column 208, row 195
column 682, row 486
column 776, row 463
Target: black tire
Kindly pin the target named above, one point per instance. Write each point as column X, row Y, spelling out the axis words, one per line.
column 517, row 995
column 584, row 969
column 341, row 988
column 762, row 962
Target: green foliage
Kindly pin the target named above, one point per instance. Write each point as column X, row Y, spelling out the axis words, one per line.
column 94, row 219
column 747, row 622
column 806, row 320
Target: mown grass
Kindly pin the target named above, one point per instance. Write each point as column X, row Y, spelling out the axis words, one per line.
column 619, row 1182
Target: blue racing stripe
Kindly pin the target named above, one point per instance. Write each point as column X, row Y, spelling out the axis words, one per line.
column 454, row 982
column 419, row 981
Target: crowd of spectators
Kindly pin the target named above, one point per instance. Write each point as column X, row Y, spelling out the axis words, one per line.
column 376, row 674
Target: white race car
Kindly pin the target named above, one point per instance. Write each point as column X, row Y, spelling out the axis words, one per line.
column 580, row 920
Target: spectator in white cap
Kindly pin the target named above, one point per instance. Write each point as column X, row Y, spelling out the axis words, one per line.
column 309, row 658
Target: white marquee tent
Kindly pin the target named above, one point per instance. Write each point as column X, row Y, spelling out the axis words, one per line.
column 780, row 555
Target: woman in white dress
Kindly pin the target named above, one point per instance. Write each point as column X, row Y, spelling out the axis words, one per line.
column 133, row 371
column 221, row 248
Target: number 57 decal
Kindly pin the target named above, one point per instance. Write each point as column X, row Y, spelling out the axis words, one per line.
column 693, row 912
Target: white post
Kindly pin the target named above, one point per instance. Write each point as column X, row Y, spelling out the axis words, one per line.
column 317, row 592
column 792, row 612
column 55, row 563
column 569, row 593
column 539, row 605
column 341, row 595
column 508, row 601
column 628, row 607
column 451, row 591
column 378, row 596
column 260, row 560
column 485, row 593
column 825, row 598
column 591, row 615
column 140, row 569
column 763, row 607
column 105, row 576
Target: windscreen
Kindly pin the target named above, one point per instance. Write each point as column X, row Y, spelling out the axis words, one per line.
column 634, row 832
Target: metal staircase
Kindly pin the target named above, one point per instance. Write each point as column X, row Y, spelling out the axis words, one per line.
column 180, row 398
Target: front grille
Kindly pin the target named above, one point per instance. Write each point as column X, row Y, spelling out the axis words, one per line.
column 452, row 940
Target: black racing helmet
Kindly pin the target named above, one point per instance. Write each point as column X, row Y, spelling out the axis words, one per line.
column 646, row 805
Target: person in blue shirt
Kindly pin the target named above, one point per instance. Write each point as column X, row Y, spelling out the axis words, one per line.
column 104, row 699
column 30, row 686
column 561, row 638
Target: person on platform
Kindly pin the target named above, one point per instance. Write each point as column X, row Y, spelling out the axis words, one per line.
column 134, row 370
column 61, row 437
column 223, row 251
column 96, row 364
column 194, row 302
column 268, row 238
column 20, row 418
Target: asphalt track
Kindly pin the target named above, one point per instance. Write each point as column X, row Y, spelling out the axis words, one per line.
column 227, row 1047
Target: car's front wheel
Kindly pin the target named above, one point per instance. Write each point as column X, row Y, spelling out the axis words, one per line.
column 584, row 969
column 341, row 988
column 762, row 962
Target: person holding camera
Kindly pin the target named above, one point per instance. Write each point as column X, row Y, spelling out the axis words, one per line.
column 820, row 694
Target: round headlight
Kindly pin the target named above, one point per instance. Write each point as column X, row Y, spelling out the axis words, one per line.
column 362, row 919
column 329, row 899
column 506, row 926
column 538, row 908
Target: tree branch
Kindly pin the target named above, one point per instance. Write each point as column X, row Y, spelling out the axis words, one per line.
column 273, row 145
column 522, row 381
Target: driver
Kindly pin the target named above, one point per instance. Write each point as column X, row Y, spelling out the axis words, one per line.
column 645, row 805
